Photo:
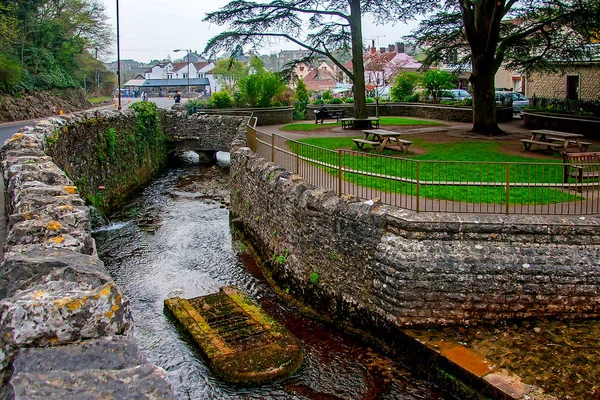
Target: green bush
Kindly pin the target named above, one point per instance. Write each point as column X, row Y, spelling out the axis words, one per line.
column 349, row 100
column 413, row 98
column 406, row 84
column 435, row 81
column 193, row 106
column 370, row 100
column 10, row 74
column 327, row 96
column 221, row 100
column 335, row 100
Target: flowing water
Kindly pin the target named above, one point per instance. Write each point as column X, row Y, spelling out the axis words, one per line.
column 174, row 239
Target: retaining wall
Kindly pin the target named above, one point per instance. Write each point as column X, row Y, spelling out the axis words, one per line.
column 65, row 327
column 418, row 110
column 378, row 266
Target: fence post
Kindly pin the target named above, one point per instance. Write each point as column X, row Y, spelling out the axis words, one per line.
column 272, row 147
column 507, row 187
column 297, row 146
column 418, row 186
column 339, row 172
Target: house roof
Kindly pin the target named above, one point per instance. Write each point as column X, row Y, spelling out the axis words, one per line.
column 201, row 64
column 319, row 79
column 175, row 82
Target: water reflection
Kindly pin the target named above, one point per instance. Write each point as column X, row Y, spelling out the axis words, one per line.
column 174, row 240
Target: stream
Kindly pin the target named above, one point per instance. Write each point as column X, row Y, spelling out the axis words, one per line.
column 174, row 239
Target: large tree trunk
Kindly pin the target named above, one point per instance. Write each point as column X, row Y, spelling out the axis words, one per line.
column 358, row 67
column 484, row 96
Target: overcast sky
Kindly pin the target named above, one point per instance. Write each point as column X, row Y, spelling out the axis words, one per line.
column 152, row 29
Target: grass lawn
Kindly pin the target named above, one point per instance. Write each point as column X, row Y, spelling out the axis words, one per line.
column 461, row 161
column 95, row 100
column 389, row 121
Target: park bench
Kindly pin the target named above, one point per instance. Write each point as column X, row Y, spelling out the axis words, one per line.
column 323, row 115
column 360, row 143
column 550, row 145
column 583, row 146
column 581, row 166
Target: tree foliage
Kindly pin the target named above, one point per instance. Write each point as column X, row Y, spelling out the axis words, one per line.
column 435, row 81
column 48, row 40
column 321, row 26
column 228, row 72
column 524, row 36
column 405, row 86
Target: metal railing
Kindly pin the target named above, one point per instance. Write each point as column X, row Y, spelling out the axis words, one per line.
column 435, row 186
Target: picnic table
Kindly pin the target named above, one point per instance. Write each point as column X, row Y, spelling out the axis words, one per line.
column 381, row 139
column 555, row 140
column 350, row 123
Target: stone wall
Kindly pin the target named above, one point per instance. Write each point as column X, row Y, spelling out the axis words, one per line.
column 417, row 110
column 378, row 266
column 65, row 327
column 554, row 85
column 265, row 116
column 24, row 106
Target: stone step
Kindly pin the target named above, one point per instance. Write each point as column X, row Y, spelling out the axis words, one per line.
column 240, row 342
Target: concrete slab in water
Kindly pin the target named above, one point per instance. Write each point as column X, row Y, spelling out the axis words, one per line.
column 240, row 342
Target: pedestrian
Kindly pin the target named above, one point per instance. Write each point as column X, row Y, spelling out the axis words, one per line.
column 144, row 96
column 177, row 97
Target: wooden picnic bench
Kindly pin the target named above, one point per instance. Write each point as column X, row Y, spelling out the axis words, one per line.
column 352, row 123
column 585, row 165
column 555, row 140
column 382, row 139
column 323, row 115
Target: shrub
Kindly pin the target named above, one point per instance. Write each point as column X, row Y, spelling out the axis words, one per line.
column 370, row 100
column 221, row 100
column 335, row 100
column 349, row 99
column 413, row 98
column 284, row 97
column 327, row 96
column 193, row 106
column 435, row 81
column 406, row 83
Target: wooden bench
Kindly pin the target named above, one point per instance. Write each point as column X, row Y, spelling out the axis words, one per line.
column 583, row 146
column 581, row 166
column 320, row 115
column 360, row 143
column 551, row 145
column 402, row 143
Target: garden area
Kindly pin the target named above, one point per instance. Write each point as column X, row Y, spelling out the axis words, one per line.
column 439, row 166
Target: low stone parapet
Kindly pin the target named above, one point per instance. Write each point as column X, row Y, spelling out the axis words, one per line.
column 55, row 291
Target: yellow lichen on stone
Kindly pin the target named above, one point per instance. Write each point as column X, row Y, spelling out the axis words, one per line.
column 61, row 303
column 71, row 189
column 67, row 207
column 109, row 314
column 105, row 291
column 39, row 294
column 27, row 215
column 53, row 225
column 58, row 239
column 76, row 304
column 16, row 136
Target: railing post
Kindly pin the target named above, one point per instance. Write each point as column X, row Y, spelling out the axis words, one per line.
column 297, row 146
column 507, row 187
column 272, row 147
column 418, row 208
column 339, row 172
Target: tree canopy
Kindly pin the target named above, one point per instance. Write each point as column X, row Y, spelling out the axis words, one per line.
column 321, row 26
column 524, row 36
column 50, row 43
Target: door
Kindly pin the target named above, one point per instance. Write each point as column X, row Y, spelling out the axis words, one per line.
column 572, row 87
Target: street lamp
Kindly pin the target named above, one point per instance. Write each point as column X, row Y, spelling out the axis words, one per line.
column 118, row 59
column 188, row 69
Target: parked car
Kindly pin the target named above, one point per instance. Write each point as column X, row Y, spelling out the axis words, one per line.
column 456, row 94
column 518, row 100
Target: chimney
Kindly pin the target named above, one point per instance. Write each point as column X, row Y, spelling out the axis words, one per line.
column 373, row 51
column 382, row 50
column 391, row 48
column 400, row 47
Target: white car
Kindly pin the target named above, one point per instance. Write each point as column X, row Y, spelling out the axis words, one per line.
column 519, row 102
